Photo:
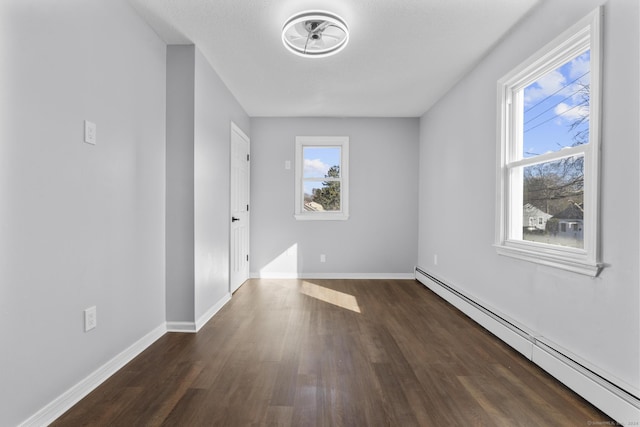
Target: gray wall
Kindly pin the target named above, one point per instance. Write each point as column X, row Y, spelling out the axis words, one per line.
column 595, row 319
column 199, row 113
column 215, row 108
column 180, row 183
column 379, row 238
column 80, row 225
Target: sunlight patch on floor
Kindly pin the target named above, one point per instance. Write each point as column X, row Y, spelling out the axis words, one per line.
column 330, row 296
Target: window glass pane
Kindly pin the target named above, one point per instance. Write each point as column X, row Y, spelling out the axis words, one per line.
column 321, row 162
column 553, row 202
column 321, row 195
column 556, row 108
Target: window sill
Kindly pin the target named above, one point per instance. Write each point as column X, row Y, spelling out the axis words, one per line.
column 321, row 216
column 574, row 261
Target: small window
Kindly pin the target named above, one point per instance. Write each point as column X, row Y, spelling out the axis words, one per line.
column 322, row 178
column 548, row 153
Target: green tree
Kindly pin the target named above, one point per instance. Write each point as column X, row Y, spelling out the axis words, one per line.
column 329, row 195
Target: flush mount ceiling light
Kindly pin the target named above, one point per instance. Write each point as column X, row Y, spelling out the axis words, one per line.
column 315, row 34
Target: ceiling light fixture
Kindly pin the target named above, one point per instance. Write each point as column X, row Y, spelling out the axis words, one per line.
column 315, row 34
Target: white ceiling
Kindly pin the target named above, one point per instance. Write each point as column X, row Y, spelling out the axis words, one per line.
column 402, row 56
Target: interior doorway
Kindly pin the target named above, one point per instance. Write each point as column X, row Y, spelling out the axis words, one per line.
column 239, row 234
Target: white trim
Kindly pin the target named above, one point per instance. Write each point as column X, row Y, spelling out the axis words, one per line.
column 66, row 400
column 193, row 327
column 275, row 275
column 372, row 276
column 236, row 128
column 549, row 257
column 613, row 396
column 321, row 216
column 547, row 157
column 586, row 34
column 184, row 327
column 202, row 320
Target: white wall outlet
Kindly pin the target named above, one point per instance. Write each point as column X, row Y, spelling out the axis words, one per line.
column 323, row 258
column 90, row 318
column 435, row 259
column 89, row 132
column 287, row 164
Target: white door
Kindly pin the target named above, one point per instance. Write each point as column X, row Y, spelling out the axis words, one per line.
column 239, row 237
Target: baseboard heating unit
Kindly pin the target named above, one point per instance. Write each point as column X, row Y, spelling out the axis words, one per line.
column 620, row 404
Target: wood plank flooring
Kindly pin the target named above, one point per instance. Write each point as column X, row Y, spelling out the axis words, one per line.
column 333, row 353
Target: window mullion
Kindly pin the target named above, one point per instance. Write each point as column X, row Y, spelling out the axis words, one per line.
column 548, row 157
column 329, row 178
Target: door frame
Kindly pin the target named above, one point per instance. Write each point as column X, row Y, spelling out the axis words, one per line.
column 237, row 130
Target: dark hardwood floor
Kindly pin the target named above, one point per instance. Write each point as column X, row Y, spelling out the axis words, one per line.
column 333, row 353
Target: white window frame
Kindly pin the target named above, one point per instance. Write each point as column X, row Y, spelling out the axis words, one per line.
column 586, row 34
column 322, row 141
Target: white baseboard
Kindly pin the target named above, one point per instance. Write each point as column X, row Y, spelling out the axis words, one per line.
column 276, row 275
column 193, row 327
column 374, row 276
column 65, row 401
column 620, row 404
column 188, row 327
column 212, row 311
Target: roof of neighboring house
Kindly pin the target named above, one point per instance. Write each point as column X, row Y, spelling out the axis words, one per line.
column 530, row 210
column 313, row 206
column 574, row 211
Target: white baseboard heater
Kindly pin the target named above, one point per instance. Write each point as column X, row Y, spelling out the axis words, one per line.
column 620, row 404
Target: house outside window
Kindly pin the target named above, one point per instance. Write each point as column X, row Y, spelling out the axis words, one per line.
column 322, row 178
column 548, row 166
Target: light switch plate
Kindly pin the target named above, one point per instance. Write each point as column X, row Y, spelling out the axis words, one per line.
column 89, row 132
column 90, row 318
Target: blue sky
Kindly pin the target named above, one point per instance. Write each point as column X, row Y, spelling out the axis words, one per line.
column 552, row 103
column 317, row 161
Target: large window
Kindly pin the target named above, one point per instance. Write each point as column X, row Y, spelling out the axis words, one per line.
column 322, row 178
column 548, row 153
